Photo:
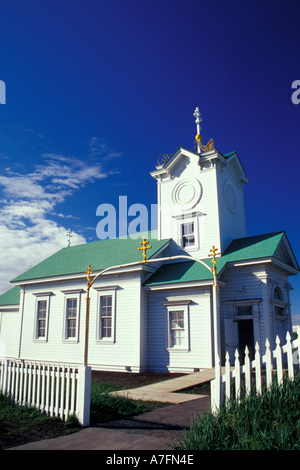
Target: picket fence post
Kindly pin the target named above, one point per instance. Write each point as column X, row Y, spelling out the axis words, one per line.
column 296, row 344
column 237, row 374
column 247, row 372
column 4, row 376
column 288, row 348
column 278, row 356
column 227, row 377
column 84, row 395
column 267, row 359
column 257, row 369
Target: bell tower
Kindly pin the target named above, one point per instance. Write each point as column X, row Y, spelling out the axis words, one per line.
column 200, row 197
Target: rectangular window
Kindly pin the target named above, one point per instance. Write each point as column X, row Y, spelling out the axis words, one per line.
column 105, row 328
column 106, row 316
column 188, row 234
column 41, row 318
column 71, row 317
column 177, row 331
column 177, row 324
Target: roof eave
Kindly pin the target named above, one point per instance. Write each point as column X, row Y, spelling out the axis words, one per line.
column 116, row 270
column 179, row 284
column 257, row 261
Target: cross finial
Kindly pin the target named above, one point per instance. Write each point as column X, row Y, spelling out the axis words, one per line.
column 144, row 247
column 198, row 119
column 213, row 253
column 69, row 235
column 89, row 272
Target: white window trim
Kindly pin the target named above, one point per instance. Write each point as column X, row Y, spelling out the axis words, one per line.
column 71, row 294
column 172, row 306
column 41, row 296
column 187, row 219
column 280, row 304
column 103, row 291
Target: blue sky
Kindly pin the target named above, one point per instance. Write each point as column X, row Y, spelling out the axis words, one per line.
column 97, row 90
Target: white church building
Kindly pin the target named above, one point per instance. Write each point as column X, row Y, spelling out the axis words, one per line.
column 160, row 316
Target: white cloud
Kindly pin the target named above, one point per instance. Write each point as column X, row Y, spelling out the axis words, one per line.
column 100, row 149
column 27, row 234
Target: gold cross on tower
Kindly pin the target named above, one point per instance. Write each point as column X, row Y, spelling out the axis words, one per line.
column 144, row 247
column 213, row 253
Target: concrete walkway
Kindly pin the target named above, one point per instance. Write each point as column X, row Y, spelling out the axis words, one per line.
column 156, row 430
column 165, row 391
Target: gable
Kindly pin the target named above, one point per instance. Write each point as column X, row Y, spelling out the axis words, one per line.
column 272, row 245
column 176, row 164
column 285, row 253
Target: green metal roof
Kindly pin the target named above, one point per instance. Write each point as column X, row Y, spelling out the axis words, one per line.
column 180, row 272
column 114, row 252
column 11, row 297
column 227, row 155
column 248, row 248
column 258, row 246
column 100, row 255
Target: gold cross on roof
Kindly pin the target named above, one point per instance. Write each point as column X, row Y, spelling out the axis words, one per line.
column 89, row 272
column 144, row 247
column 213, row 253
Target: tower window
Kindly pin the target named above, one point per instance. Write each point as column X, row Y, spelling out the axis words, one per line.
column 277, row 294
column 188, row 234
column 278, row 304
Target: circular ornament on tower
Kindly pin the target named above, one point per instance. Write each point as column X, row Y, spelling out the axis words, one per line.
column 230, row 196
column 187, row 193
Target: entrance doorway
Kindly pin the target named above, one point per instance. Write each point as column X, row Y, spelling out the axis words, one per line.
column 246, row 338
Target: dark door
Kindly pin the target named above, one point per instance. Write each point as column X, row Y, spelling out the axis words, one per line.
column 246, row 338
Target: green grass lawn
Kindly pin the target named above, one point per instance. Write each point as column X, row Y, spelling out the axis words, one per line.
column 267, row 422
column 20, row 425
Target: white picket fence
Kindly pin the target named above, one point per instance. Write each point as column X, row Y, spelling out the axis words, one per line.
column 282, row 357
column 56, row 389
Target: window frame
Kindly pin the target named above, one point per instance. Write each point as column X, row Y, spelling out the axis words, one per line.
column 69, row 295
column 186, row 237
column 279, row 307
column 41, row 297
column 178, row 306
column 103, row 292
column 185, row 219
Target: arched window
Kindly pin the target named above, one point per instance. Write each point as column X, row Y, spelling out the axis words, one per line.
column 278, row 304
column 277, row 294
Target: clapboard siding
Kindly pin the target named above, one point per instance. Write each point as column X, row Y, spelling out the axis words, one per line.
column 257, row 283
column 232, row 222
column 277, row 325
column 125, row 350
column 9, row 333
column 237, row 279
column 199, row 353
column 207, row 207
